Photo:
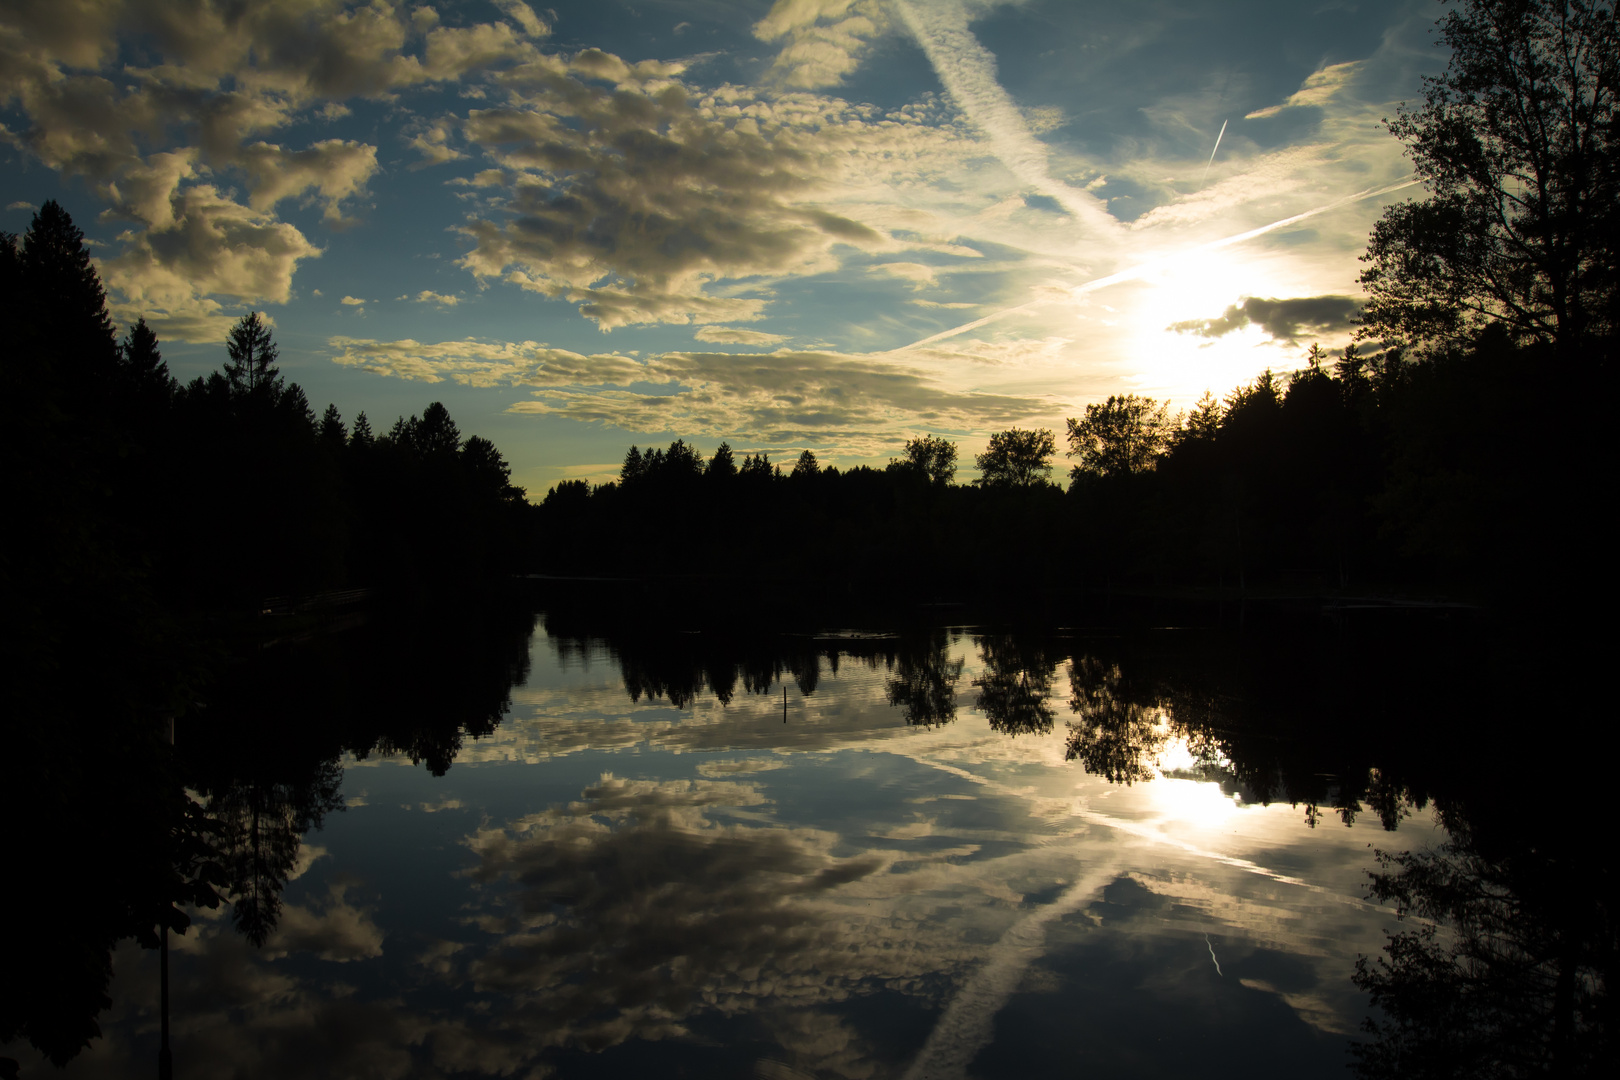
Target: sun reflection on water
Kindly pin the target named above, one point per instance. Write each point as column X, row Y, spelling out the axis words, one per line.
column 1179, row 798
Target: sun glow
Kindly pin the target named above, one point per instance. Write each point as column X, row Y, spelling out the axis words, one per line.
column 1191, row 286
column 1200, row 803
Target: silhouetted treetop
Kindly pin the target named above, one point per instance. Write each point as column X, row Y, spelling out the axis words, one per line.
column 722, row 466
column 66, row 303
column 251, row 370
column 332, row 430
column 144, row 370
column 1017, row 458
column 934, row 457
column 1121, row 436
column 1516, row 145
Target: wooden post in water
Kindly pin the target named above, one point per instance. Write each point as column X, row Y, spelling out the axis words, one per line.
column 784, row 704
column 165, row 1059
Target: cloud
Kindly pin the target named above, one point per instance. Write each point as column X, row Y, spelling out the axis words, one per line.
column 351, row 301
column 522, row 14
column 432, row 141
column 854, row 400
column 332, row 169
column 21, row 205
column 476, row 363
column 333, row 930
column 202, row 245
column 823, row 40
column 920, row 275
column 1318, row 89
column 630, row 200
column 637, row 885
column 730, row 335
column 162, row 139
column 1284, row 320
column 428, row 296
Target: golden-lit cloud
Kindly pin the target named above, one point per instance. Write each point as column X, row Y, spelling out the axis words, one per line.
column 731, row 335
column 822, row 41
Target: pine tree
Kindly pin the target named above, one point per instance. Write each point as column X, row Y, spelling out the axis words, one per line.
column 361, row 435
column 722, row 466
column 332, row 429
column 251, row 369
column 66, row 304
column 145, row 373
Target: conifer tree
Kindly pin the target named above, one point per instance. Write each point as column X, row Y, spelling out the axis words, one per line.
column 361, row 435
column 251, row 369
column 332, row 429
column 145, row 373
column 722, row 466
column 67, row 306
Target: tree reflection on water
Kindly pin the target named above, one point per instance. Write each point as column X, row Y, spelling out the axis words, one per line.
column 1503, row 970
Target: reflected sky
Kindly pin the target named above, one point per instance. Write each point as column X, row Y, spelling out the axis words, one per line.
column 783, row 886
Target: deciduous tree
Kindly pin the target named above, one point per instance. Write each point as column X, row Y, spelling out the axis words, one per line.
column 1515, row 144
column 1120, row 437
column 1017, row 458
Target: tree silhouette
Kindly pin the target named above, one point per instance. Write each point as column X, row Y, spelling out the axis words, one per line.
column 145, row 374
column 933, row 457
column 1508, row 974
column 722, row 466
column 436, row 433
column 1113, row 736
column 333, row 432
column 1121, row 437
column 1015, row 685
column 1516, row 144
column 807, row 466
column 67, row 306
column 924, row 682
column 1017, row 458
column 251, row 370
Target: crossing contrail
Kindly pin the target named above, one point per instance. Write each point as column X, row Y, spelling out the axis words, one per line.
column 1211, row 160
column 1143, row 268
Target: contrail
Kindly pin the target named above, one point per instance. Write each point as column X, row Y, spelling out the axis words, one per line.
column 1140, row 269
column 1218, row 970
column 968, row 1022
column 1211, row 160
column 967, row 70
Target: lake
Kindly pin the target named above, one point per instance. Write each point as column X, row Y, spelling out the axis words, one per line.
column 548, row 845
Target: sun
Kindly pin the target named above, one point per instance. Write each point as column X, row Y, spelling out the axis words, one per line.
column 1197, row 286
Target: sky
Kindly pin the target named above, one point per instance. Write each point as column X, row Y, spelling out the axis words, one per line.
column 809, row 224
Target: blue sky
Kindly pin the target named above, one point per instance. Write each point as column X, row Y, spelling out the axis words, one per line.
column 829, row 224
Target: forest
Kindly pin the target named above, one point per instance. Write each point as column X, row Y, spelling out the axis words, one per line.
column 1354, row 475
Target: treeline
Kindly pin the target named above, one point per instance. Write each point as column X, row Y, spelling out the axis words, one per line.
column 1356, row 473
column 228, row 489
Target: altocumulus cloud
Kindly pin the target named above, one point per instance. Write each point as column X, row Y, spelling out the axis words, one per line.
column 853, row 400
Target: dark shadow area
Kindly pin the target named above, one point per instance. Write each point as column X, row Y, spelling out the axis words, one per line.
column 120, row 830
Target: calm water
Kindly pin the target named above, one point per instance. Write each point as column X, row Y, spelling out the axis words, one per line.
column 947, row 853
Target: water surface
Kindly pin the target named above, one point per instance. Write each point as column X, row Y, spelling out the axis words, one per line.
column 944, row 853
